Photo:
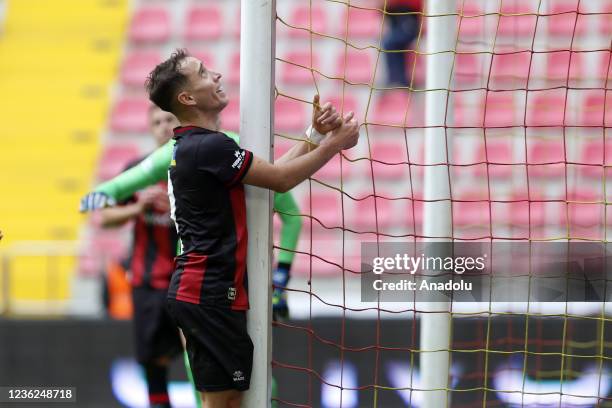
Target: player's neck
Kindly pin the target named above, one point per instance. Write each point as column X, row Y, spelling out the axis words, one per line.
column 207, row 120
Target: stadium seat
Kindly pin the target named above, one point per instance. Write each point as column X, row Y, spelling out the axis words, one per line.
column 605, row 21
column 355, row 67
column 395, row 108
column 301, row 18
column 585, row 208
column 559, row 62
column 498, row 110
column 129, row 115
column 150, row 24
column 297, row 67
column 115, row 158
column 137, row 66
column 362, row 23
column 233, row 71
column 289, row 115
column 467, row 68
column 414, row 213
column 594, row 107
column 497, row 151
column 469, row 24
column 203, row 23
column 230, row 116
column 331, row 170
column 593, row 153
column 326, row 207
column 365, row 215
column 564, row 20
column 546, row 108
column 511, row 67
column 518, row 25
column 393, row 155
column 471, row 209
column 526, row 210
column 546, row 151
column 604, row 69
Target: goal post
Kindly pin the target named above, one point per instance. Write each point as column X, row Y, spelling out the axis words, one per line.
column 435, row 334
column 257, row 45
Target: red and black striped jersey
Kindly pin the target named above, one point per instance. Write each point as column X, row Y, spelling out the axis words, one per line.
column 209, row 208
column 151, row 262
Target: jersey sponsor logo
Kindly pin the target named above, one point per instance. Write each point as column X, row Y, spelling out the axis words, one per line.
column 238, row 376
column 240, row 155
column 231, row 293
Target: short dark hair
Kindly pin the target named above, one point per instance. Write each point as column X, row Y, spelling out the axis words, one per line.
column 165, row 81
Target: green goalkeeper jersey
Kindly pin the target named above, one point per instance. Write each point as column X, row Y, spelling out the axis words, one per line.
column 154, row 168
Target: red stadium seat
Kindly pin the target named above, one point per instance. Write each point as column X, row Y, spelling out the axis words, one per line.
column 564, row 20
column 467, row 68
column 326, row 208
column 355, row 67
column 150, row 24
column 585, row 208
column 332, row 171
column 499, row 151
column 560, row 67
column 498, row 110
column 396, row 108
column 129, row 115
column 593, row 154
column 526, row 210
column 594, row 107
column 471, row 209
column 546, row 158
column 394, row 160
column 301, row 19
column 605, row 24
column 230, row 116
column 203, row 23
column 115, row 158
column 289, row 115
column 297, row 67
column 471, row 20
column 518, row 25
column 137, row 66
column 604, row 70
column 364, row 23
column 546, row 108
column 511, row 67
column 366, row 215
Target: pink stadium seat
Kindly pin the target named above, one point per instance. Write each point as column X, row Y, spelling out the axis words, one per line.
column 498, row 110
column 298, row 68
column 137, row 66
column 393, row 154
column 364, row 23
column 546, row 158
column 150, row 24
column 499, row 151
column 129, row 115
column 467, row 68
column 326, row 207
column 289, row 115
column 511, row 67
column 365, row 215
column 233, row 76
column 230, row 116
column 471, row 209
column 414, row 212
column 605, row 21
column 593, row 153
column 518, row 25
column 355, row 67
column 595, row 105
column 546, row 108
column 604, row 70
column 525, row 210
column 115, row 158
column 565, row 21
column 301, row 17
column 469, row 25
column 332, row 172
column 559, row 62
column 203, row 23
column 584, row 209
column 395, row 108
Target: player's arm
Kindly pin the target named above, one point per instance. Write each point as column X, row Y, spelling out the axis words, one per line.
column 153, row 169
column 283, row 176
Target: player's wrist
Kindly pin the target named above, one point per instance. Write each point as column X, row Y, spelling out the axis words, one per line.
column 313, row 136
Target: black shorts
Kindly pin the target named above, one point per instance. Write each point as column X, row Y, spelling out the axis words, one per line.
column 219, row 348
column 155, row 333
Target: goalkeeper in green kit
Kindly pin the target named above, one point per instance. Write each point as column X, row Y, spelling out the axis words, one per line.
column 154, row 169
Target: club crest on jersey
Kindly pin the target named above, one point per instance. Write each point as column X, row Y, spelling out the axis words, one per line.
column 239, row 159
column 231, row 293
column 238, row 376
column 173, row 161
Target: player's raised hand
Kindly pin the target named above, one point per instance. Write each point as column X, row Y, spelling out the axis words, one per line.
column 347, row 135
column 96, row 200
column 324, row 118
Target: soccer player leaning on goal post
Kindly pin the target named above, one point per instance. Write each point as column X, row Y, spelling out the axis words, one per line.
column 207, row 295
